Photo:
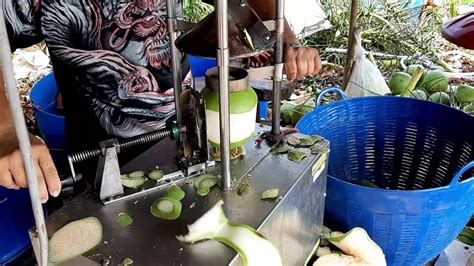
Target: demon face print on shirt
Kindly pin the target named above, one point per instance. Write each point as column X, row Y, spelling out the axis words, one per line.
column 111, row 56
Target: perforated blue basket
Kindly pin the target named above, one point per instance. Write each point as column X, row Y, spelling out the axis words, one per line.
column 421, row 156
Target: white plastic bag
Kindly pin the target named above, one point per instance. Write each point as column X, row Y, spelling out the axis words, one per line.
column 366, row 79
column 306, row 17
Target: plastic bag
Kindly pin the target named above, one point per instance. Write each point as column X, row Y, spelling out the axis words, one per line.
column 366, row 79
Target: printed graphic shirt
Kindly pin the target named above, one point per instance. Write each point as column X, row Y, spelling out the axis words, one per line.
column 111, row 60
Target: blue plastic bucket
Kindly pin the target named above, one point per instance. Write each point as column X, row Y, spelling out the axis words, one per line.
column 16, row 218
column 199, row 65
column 50, row 122
column 420, row 152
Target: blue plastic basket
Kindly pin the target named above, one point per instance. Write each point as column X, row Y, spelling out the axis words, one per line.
column 50, row 122
column 419, row 152
column 16, row 218
column 199, row 65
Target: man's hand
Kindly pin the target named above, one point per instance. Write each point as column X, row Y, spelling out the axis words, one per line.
column 301, row 62
column 12, row 171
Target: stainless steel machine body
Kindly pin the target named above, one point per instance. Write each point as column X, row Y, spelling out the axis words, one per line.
column 293, row 223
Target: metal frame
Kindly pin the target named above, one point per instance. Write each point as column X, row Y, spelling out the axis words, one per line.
column 223, row 68
column 23, row 138
column 278, row 71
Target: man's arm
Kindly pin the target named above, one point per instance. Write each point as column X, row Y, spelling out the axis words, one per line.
column 12, row 171
column 266, row 10
column 299, row 61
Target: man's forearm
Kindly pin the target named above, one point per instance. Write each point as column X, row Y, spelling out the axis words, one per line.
column 266, row 10
column 5, row 114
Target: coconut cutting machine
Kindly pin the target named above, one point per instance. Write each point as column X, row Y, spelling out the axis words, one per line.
column 292, row 223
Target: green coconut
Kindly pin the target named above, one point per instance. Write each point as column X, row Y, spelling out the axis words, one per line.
column 398, row 82
column 469, row 109
column 464, row 94
column 435, row 81
column 440, row 97
column 287, row 110
column 240, row 102
column 412, row 68
column 301, row 110
column 419, row 94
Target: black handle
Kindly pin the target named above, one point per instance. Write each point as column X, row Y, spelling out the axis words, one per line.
column 70, row 180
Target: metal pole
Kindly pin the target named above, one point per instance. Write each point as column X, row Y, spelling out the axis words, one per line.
column 175, row 60
column 23, row 138
column 278, row 72
column 351, row 46
column 223, row 67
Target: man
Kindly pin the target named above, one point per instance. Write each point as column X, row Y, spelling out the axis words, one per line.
column 111, row 61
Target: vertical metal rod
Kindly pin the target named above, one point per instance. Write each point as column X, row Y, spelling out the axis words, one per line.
column 223, row 67
column 23, row 138
column 278, row 73
column 175, row 58
column 351, row 46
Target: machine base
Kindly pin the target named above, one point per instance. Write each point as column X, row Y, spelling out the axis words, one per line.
column 293, row 223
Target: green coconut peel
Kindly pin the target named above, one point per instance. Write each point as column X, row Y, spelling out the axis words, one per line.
column 253, row 248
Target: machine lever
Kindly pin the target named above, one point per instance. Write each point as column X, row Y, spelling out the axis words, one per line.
column 70, row 180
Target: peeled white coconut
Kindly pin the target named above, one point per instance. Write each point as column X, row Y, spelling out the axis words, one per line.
column 358, row 244
column 243, row 110
column 323, row 251
column 335, row 259
column 74, row 239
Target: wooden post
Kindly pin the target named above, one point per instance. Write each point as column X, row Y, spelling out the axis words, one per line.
column 352, row 43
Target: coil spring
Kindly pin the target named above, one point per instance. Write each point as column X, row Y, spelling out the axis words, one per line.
column 84, row 155
column 126, row 144
column 146, row 138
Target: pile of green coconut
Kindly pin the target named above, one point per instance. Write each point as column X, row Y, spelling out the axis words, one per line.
column 431, row 85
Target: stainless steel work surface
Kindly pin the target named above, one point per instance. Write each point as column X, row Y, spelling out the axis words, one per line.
column 151, row 241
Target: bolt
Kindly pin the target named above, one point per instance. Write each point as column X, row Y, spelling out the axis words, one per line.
column 105, row 262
